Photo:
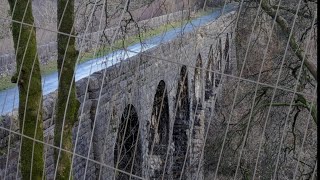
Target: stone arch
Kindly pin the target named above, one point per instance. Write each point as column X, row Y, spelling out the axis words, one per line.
column 209, row 75
column 227, row 69
column 159, row 131
column 198, row 80
column 181, row 125
column 127, row 151
column 218, row 65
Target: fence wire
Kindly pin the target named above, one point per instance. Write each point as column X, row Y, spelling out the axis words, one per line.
column 233, row 97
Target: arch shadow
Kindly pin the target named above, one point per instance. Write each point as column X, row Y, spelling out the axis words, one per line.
column 227, row 69
column 127, row 150
column 209, row 75
column 181, row 125
column 159, row 132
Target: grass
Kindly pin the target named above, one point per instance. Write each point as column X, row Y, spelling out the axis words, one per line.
column 5, row 83
column 48, row 68
column 51, row 66
column 120, row 44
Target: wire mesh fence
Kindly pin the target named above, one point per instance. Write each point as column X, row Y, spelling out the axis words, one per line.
column 158, row 89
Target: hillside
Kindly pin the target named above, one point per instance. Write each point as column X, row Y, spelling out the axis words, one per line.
column 45, row 16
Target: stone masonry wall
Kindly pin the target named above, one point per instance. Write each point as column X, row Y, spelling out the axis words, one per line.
column 133, row 81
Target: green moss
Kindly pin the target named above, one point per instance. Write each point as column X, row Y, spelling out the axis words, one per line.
column 30, row 90
column 67, row 109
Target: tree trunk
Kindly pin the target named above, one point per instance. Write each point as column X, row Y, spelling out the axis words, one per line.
column 30, row 90
column 67, row 104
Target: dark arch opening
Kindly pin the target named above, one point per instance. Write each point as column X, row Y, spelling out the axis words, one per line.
column 219, row 59
column 159, row 130
column 209, row 75
column 226, row 56
column 197, row 80
column 181, row 125
column 127, row 151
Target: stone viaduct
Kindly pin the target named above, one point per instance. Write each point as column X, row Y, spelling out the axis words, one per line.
column 145, row 116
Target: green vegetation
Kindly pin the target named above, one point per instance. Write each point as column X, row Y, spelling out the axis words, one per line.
column 123, row 43
column 5, row 83
column 50, row 67
column 67, row 103
column 30, row 90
